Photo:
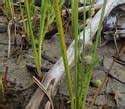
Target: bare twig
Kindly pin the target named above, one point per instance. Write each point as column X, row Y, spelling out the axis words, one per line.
column 9, row 36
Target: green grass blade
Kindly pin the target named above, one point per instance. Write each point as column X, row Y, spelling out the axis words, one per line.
column 99, row 29
column 90, row 70
column 42, row 26
column 63, row 49
column 2, row 90
column 76, row 56
column 32, row 38
column 83, row 54
column 94, row 58
column 22, row 17
column 9, row 9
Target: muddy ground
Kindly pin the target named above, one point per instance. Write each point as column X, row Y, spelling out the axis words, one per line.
column 20, row 86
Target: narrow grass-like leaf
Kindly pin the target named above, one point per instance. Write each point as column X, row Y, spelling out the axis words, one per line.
column 94, row 58
column 32, row 38
column 9, row 9
column 82, row 55
column 76, row 56
column 42, row 31
column 2, row 90
column 22, row 16
column 63, row 49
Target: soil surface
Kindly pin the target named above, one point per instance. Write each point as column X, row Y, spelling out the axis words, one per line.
column 17, row 71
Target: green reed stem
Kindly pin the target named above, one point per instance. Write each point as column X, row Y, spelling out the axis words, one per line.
column 83, row 54
column 99, row 29
column 76, row 56
column 32, row 38
column 9, row 8
column 63, row 49
column 94, row 60
column 2, row 89
column 42, row 22
column 22, row 16
column 89, row 75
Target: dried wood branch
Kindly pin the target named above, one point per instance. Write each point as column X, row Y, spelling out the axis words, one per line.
column 9, row 36
column 81, row 9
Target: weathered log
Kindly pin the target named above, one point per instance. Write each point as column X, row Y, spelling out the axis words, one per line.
column 51, row 80
column 81, row 9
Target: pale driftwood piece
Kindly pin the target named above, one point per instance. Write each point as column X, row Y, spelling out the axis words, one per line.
column 117, row 31
column 81, row 9
column 53, row 77
column 87, row 1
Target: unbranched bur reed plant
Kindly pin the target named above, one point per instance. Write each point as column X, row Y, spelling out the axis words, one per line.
column 46, row 19
column 79, row 90
column 28, row 11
